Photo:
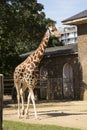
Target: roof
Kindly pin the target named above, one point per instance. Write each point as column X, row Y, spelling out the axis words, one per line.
column 77, row 19
column 59, row 50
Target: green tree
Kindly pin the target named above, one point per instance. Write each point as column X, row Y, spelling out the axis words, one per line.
column 54, row 41
column 22, row 23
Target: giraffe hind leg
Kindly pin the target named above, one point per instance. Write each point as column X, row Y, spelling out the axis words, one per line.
column 22, row 94
column 32, row 98
column 17, row 85
column 22, row 100
column 28, row 103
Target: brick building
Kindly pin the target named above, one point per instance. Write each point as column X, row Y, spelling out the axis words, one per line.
column 80, row 20
column 60, row 74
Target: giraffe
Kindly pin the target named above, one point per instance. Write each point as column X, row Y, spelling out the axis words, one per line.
column 26, row 73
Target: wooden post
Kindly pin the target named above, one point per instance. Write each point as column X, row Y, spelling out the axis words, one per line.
column 1, row 101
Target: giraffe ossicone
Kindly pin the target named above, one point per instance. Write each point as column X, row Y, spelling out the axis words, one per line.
column 26, row 73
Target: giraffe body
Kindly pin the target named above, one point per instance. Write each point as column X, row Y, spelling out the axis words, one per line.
column 26, row 73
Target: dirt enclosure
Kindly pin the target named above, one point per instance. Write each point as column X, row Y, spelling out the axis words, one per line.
column 66, row 113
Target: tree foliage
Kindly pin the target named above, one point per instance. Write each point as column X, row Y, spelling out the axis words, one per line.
column 22, row 23
column 54, row 41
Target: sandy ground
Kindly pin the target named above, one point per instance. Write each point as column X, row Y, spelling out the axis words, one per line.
column 69, row 114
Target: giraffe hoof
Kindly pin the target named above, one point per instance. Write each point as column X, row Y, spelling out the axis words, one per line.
column 22, row 112
column 19, row 116
column 36, row 118
column 26, row 116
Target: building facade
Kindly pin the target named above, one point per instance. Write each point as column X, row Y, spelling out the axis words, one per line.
column 59, row 74
column 80, row 20
column 68, row 35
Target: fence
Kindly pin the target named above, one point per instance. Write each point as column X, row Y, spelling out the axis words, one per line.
column 8, row 86
column 50, row 88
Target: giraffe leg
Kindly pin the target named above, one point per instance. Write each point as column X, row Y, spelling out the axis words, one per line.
column 28, row 103
column 22, row 100
column 18, row 98
column 33, row 101
column 22, row 93
column 17, row 85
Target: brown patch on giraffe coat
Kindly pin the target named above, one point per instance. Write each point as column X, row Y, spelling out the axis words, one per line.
column 42, row 49
column 35, row 57
column 40, row 55
column 36, row 63
column 44, row 45
column 32, row 64
column 21, row 74
column 28, row 61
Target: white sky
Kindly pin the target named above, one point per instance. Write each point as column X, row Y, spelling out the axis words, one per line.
column 59, row 10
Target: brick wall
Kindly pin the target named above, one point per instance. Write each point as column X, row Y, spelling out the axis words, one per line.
column 54, row 67
column 82, row 48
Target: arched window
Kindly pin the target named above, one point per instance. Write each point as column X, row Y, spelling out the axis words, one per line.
column 68, row 90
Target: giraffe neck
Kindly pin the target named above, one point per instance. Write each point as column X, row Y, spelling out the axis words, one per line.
column 37, row 55
column 43, row 45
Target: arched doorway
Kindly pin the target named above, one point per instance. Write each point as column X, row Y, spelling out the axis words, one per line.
column 68, row 90
column 43, row 82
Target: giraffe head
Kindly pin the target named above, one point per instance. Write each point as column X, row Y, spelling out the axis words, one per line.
column 53, row 31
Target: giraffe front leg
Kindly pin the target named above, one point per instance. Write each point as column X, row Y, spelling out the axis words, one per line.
column 22, row 100
column 28, row 103
column 33, row 101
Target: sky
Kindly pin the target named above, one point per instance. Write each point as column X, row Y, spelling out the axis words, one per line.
column 59, row 10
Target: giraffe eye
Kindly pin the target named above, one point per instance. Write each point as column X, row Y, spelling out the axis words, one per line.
column 52, row 30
